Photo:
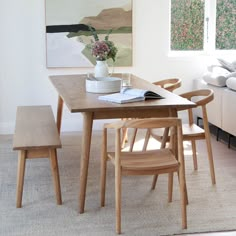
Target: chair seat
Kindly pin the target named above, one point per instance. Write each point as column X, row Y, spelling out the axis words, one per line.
column 189, row 131
column 149, row 160
column 192, row 131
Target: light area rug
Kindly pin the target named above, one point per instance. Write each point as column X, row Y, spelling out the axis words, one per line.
column 144, row 212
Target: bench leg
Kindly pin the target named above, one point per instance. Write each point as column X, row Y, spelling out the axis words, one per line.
column 20, row 177
column 55, row 174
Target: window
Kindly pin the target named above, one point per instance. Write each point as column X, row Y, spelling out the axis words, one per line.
column 226, row 24
column 203, row 25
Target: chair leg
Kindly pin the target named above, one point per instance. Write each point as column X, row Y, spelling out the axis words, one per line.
column 194, row 150
column 183, row 195
column 165, row 137
column 163, row 145
column 185, row 192
column 170, row 186
column 146, row 140
column 103, row 181
column 55, row 174
column 154, row 181
column 103, row 168
column 20, row 178
column 210, row 155
column 124, row 137
column 132, row 140
column 118, row 198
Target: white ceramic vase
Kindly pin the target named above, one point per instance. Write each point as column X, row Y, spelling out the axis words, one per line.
column 101, row 69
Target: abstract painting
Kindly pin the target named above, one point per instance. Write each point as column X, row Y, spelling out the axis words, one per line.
column 67, row 31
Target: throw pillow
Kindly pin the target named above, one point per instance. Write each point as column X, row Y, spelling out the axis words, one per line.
column 215, row 79
column 216, row 75
column 227, row 65
column 231, row 83
column 233, row 74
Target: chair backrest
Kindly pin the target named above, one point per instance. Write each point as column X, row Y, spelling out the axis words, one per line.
column 201, row 98
column 175, row 125
column 169, row 84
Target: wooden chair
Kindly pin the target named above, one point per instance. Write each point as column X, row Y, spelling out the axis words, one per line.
column 168, row 84
column 160, row 161
column 191, row 131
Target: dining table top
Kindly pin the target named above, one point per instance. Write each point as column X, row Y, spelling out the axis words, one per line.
column 72, row 90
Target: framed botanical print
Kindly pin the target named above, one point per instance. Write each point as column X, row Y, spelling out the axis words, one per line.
column 68, row 34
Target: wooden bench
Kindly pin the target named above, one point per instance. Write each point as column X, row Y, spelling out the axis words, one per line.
column 36, row 136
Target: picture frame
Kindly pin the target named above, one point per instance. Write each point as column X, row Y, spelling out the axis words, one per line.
column 67, row 32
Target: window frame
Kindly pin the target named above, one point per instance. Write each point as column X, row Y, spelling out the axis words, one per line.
column 209, row 35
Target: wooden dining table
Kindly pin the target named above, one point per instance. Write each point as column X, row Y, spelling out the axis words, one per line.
column 72, row 91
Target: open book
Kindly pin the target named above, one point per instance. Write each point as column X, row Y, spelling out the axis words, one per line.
column 130, row 95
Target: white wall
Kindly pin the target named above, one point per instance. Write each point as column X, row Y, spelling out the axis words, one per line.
column 23, row 72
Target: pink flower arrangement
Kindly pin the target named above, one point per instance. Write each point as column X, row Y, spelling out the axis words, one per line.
column 100, row 50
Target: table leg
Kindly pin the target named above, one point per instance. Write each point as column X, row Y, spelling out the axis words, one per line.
column 59, row 113
column 85, row 152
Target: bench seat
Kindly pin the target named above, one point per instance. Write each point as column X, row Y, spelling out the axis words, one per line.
column 36, row 136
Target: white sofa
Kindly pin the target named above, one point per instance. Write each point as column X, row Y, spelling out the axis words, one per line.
column 221, row 78
column 222, row 110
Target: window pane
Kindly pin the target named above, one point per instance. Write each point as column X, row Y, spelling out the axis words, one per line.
column 226, row 24
column 187, row 24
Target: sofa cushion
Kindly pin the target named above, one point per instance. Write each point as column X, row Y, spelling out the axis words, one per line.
column 233, row 74
column 215, row 79
column 227, row 65
column 217, row 76
column 231, row 83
